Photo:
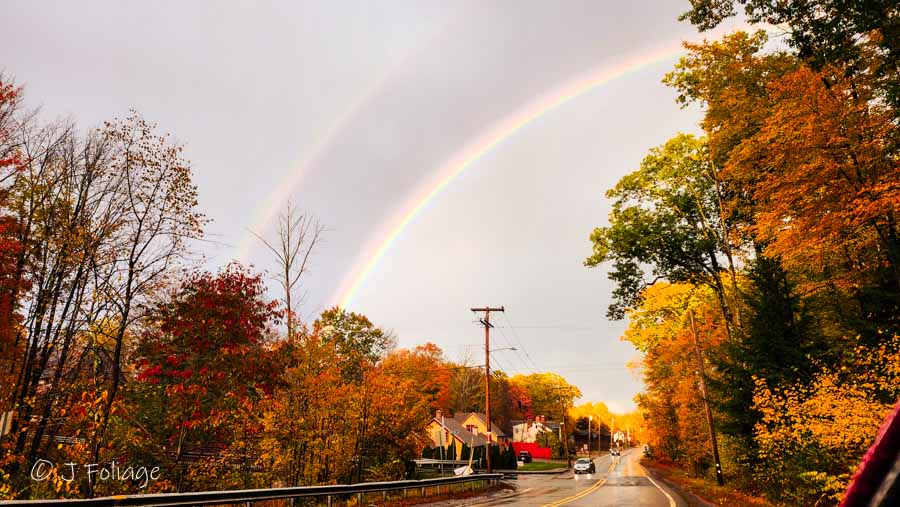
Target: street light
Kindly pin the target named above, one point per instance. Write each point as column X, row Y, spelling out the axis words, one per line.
column 590, row 418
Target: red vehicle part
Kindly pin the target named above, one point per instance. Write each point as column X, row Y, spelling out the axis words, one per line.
column 877, row 480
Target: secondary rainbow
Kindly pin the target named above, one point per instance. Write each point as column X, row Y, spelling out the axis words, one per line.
column 500, row 132
column 279, row 197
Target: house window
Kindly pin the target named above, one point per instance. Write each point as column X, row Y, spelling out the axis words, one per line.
column 471, row 428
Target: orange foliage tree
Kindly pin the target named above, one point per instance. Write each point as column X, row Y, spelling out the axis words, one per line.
column 809, row 159
column 672, row 405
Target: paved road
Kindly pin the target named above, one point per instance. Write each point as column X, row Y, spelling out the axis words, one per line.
column 618, row 482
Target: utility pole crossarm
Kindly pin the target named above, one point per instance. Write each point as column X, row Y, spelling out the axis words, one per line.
column 487, row 309
column 486, row 321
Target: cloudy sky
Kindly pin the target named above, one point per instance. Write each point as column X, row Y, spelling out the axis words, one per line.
column 357, row 110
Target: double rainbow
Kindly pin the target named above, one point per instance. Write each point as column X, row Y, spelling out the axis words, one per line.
column 477, row 149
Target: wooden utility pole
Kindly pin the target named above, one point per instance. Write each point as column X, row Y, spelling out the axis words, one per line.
column 487, row 375
column 709, row 416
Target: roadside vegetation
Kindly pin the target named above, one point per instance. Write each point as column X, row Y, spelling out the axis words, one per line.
column 537, row 466
column 764, row 254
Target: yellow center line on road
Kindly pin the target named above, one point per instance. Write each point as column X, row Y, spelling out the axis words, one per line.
column 585, row 492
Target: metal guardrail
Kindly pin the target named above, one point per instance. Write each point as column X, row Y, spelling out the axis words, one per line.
column 248, row 496
column 449, row 464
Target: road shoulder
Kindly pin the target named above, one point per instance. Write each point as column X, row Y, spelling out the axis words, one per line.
column 689, row 497
column 712, row 494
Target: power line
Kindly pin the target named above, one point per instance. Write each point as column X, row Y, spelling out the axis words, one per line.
column 519, row 340
column 502, row 363
column 572, row 370
column 570, row 328
column 518, row 353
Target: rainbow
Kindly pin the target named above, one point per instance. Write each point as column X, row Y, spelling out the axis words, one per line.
column 277, row 199
column 501, row 131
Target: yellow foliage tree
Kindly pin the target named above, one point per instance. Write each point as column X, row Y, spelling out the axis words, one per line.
column 813, row 435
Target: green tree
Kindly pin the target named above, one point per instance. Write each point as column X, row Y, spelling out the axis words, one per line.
column 667, row 215
column 357, row 341
column 451, row 451
column 776, row 343
column 508, row 458
column 496, row 457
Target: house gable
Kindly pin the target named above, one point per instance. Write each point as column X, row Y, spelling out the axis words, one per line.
column 476, row 421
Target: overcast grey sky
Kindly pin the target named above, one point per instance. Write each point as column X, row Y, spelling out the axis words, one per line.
column 366, row 101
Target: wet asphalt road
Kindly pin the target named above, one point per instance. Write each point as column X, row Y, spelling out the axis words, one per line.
column 618, row 482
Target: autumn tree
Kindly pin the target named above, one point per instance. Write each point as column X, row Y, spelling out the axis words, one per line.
column 551, row 395
column 202, row 368
column 307, row 432
column 824, row 32
column 10, row 278
column 90, row 224
column 157, row 203
column 812, row 434
column 393, row 414
column 329, row 423
column 425, row 365
column 520, row 399
column 598, row 410
column 466, row 386
column 809, row 153
column 800, row 161
column 65, row 210
column 672, row 405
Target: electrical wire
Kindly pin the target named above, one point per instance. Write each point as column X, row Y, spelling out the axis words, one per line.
column 518, row 352
column 519, row 340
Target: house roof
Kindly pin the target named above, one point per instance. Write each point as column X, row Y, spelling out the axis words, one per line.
column 456, row 428
column 495, row 428
column 551, row 425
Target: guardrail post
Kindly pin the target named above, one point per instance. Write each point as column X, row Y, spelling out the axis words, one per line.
column 384, row 496
column 359, row 498
column 328, row 500
column 423, row 491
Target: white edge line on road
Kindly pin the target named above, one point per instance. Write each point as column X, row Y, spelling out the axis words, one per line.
column 671, row 500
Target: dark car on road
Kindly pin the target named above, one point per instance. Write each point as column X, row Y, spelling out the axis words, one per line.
column 584, row 466
column 525, row 457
